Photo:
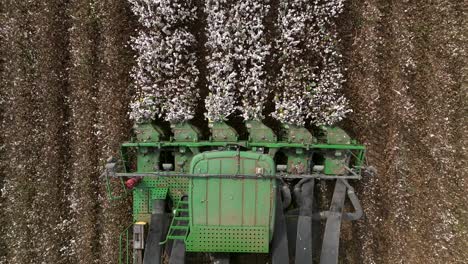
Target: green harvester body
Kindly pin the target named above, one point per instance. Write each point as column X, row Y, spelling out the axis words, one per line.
column 223, row 190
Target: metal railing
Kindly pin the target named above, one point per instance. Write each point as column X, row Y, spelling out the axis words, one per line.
column 125, row 252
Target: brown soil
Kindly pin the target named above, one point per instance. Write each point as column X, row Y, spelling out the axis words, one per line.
column 406, row 70
column 64, row 99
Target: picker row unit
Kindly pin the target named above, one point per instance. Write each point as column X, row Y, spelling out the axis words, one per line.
column 224, row 195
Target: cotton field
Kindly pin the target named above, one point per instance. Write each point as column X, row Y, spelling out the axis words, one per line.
column 77, row 75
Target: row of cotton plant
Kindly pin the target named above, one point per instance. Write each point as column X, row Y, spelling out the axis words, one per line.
column 294, row 45
column 251, row 51
column 311, row 74
column 327, row 105
column 237, row 50
column 222, row 76
column 165, row 73
column 310, row 79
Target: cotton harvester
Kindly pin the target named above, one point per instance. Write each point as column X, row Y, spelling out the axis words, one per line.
column 224, row 196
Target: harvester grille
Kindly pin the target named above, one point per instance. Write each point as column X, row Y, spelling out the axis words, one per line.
column 228, row 239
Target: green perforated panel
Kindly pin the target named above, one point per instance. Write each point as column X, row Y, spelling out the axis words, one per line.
column 177, row 186
column 249, row 239
column 142, row 198
column 158, row 193
column 140, row 201
column 156, row 188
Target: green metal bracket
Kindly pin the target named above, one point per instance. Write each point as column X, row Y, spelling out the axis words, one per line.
column 182, row 161
column 298, row 161
column 335, row 165
column 336, row 135
column 259, row 132
column 221, row 131
column 148, row 159
column 109, row 188
column 148, row 132
column 336, row 160
column 360, row 158
column 296, row 134
column 185, row 132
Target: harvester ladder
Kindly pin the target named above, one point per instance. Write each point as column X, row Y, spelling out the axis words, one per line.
column 179, row 227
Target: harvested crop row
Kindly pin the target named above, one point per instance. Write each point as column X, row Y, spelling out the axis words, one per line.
column 84, row 148
column 114, row 126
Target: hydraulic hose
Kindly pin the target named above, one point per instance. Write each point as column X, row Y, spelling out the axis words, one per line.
column 298, row 189
column 286, row 193
column 307, row 198
column 355, row 202
column 358, row 212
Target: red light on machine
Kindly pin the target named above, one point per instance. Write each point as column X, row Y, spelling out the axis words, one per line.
column 131, row 183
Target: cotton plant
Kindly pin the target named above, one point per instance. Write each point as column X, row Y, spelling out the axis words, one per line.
column 237, row 50
column 293, row 46
column 163, row 14
column 143, row 109
column 222, row 75
column 324, row 13
column 311, row 74
column 327, row 105
column 165, row 73
column 291, row 104
column 251, row 50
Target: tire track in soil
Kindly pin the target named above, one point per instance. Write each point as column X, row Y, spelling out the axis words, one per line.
column 84, row 165
column 50, row 202
column 359, row 31
column 438, row 162
column 363, row 54
column 383, row 134
column 114, row 126
column 22, row 146
column 3, row 121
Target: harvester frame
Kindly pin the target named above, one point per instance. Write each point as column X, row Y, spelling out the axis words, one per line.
column 207, row 186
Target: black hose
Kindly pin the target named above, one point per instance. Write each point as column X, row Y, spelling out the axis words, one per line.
column 298, row 189
column 358, row 212
column 286, row 193
column 355, row 202
column 307, row 198
column 311, row 163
